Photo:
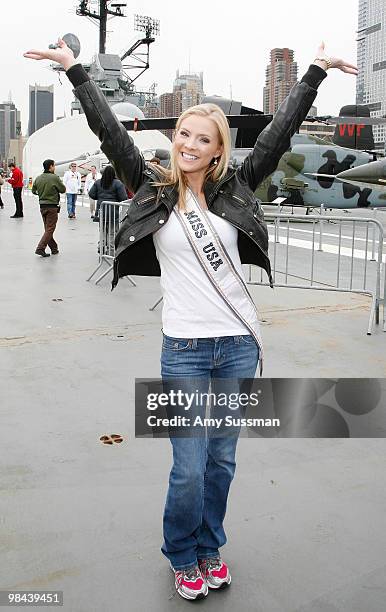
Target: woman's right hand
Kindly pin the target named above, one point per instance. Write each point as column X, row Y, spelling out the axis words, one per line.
column 62, row 55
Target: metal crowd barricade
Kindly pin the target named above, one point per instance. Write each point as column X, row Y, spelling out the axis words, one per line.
column 350, row 262
column 111, row 215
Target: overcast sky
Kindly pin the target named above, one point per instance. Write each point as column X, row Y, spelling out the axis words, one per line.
column 231, row 48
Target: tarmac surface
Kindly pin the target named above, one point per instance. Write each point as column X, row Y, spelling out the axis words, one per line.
column 306, row 517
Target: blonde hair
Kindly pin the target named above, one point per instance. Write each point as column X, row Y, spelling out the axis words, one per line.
column 215, row 172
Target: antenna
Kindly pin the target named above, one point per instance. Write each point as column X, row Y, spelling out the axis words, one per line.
column 105, row 7
column 151, row 27
column 147, row 24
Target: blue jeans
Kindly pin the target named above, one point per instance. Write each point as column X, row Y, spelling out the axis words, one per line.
column 203, row 465
column 71, row 201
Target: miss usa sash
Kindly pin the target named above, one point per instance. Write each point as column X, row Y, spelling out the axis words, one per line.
column 218, row 266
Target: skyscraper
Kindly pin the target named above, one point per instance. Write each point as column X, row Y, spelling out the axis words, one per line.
column 280, row 76
column 9, row 122
column 371, row 58
column 41, row 107
column 170, row 106
column 151, row 110
column 191, row 87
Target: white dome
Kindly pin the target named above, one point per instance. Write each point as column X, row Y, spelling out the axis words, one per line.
column 128, row 110
column 70, row 139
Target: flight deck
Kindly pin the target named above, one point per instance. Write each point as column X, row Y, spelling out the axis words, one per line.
column 91, row 514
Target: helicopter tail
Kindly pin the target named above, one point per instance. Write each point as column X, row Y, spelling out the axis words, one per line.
column 354, row 136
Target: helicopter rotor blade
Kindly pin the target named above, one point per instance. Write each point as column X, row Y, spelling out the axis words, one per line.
column 364, row 184
column 81, row 157
column 329, row 120
column 361, row 184
column 320, row 175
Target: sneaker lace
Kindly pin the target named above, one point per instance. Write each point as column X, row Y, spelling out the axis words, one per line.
column 189, row 574
column 209, row 564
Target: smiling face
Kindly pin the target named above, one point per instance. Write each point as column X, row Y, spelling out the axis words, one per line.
column 196, row 143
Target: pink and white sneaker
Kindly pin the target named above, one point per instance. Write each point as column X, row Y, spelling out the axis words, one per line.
column 215, row 572
column 190, row 583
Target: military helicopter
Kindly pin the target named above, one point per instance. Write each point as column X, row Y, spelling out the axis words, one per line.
column 344, row 174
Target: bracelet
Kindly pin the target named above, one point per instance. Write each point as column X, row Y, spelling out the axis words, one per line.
column 327, row 60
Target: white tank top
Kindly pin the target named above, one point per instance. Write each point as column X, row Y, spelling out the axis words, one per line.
column 192, row 307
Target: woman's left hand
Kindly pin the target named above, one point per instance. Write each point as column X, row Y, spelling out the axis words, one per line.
column 62, row 54
column 336, row 62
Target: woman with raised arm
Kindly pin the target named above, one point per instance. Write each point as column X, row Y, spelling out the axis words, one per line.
column 195, row 224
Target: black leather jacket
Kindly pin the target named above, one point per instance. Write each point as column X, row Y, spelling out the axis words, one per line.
column 231, row 198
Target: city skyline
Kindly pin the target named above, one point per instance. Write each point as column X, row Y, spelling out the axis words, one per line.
column 228, row 55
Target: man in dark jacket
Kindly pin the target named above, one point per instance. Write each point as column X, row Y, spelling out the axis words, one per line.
column 48, row 187
column 16, row 180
